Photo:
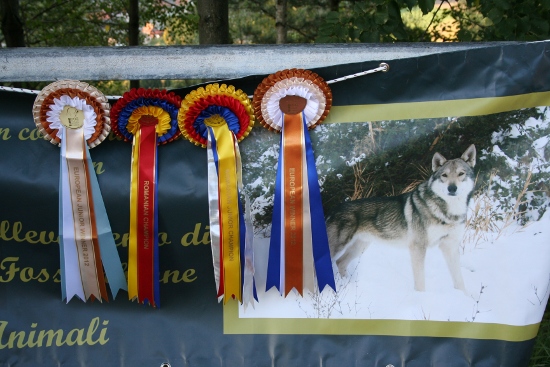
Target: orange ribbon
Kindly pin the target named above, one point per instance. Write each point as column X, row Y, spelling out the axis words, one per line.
column 293, row 138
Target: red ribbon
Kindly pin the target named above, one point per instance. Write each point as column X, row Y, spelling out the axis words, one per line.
column 146, row 212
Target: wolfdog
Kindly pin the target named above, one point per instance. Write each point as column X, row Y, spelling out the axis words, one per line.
column 434, row 214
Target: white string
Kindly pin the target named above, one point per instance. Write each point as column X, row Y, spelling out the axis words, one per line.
column 383, row 67
column 20, row 90
column 30, row 91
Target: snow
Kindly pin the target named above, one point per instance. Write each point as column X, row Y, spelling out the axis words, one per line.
column 507, row 280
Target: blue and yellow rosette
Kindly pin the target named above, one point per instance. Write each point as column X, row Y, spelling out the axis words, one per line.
column 147, row 118
column 292, row 102
column 217, row 118
column 75, row 116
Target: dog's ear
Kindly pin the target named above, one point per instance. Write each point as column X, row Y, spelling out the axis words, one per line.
column 469, row 156
column 437, row 161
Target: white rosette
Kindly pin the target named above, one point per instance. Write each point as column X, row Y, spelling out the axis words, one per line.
column 70, row 89
column 316, row 101
column 80, row 104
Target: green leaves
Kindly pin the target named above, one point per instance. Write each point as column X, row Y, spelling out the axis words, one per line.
column 366, row 21
column 426, row 5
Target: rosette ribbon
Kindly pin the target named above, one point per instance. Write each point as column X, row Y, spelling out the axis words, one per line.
column 75, row 116
column 291, row 102
column 217, row 118
column 147, row 118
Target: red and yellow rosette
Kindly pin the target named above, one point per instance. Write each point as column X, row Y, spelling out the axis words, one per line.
column 75, row 116
column 217, row 118
column 147, row 118
column 292, row 102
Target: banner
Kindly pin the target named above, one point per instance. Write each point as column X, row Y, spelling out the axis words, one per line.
column 434, row 182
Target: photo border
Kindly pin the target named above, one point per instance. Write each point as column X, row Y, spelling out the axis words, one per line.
column 232, row 324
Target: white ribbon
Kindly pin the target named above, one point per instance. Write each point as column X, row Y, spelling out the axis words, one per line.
column 214, row 213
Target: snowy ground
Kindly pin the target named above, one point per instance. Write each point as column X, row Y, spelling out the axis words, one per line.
column 507, row 278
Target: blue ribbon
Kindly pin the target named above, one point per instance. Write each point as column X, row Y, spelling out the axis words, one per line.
column 107, row 246
column 321, row 251
column 63, row 168
column 156, row 275
column 274, row 262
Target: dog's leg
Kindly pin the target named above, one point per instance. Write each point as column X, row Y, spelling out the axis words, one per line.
column 449, row 248
column 352, row 251
column 418, row 260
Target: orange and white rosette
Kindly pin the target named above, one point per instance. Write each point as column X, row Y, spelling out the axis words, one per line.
column 75, row 116
column 292, row 102
column 217, row 117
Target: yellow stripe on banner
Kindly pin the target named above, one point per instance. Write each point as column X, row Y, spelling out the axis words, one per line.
column 232, row 324
column 229, row 211
column 436, row 109
column 132, row 241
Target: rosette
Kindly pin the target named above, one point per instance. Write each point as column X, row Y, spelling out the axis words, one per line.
column 147, row 118
column 291, row 102
column 75, row 116
column 217, row 118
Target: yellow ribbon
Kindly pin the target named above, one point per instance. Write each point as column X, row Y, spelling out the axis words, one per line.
column 229, row 208
column 132, row 248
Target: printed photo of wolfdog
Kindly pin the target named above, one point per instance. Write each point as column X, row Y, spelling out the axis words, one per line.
column 434, row 214
column 466, row 226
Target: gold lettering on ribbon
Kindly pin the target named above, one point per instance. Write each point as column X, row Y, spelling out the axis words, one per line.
column 293, row 200
column 230, row 202
column 146, row 216
column 34, row 338
column 122, row 240
column 81, row 210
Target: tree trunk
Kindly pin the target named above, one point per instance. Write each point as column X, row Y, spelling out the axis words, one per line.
column 280, row 20
column 213, row 21
column 12, row 26
column 133, row 30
